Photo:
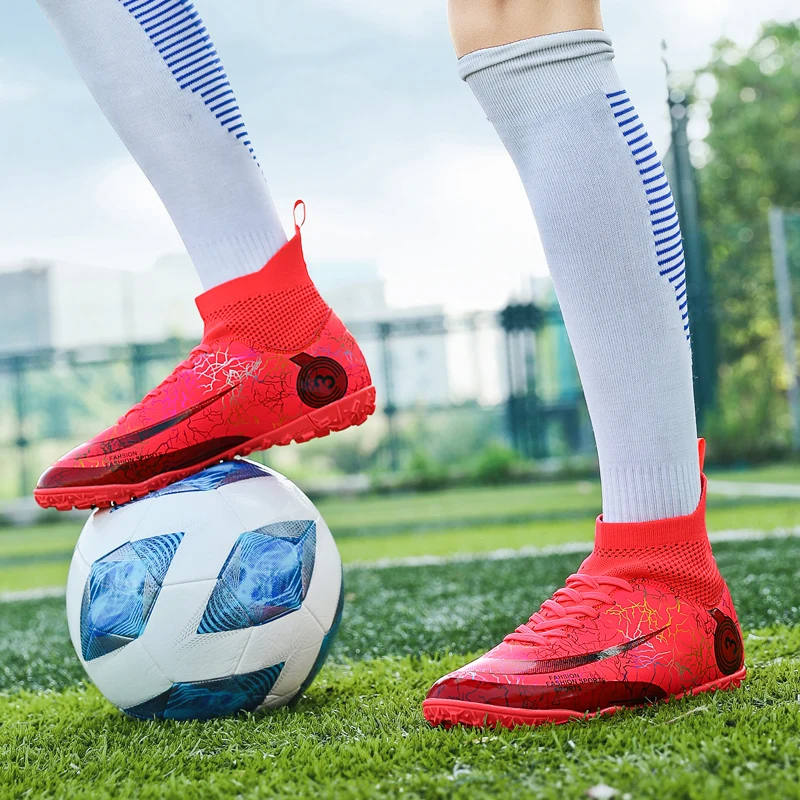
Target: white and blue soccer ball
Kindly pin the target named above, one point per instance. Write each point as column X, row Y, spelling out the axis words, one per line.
column 221, row 593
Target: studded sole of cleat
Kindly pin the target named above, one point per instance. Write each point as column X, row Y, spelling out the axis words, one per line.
column 449, row 713
column 348, row 412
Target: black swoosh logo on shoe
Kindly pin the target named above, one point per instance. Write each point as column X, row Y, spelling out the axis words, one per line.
column 518, row 667
column 142, row 435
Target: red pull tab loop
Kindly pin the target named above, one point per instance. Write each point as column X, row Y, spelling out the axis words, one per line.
column 701, row 451
column 298, row 225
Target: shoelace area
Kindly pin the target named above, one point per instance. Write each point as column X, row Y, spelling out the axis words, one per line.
column 188, row 363
column 582, row 598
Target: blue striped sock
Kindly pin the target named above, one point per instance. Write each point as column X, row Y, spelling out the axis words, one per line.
column 156, row 74
column 610, row 232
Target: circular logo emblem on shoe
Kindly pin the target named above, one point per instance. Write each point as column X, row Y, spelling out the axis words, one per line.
column 728, row 649
column 321, row 380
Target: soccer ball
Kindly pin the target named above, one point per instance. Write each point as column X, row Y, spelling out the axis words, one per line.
column 221, row 593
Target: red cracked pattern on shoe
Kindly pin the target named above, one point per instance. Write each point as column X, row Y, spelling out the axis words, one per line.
column 647, row 646
column 227, row 393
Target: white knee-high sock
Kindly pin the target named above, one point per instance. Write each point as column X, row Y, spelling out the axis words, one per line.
column 153, row 69
column 611, row 236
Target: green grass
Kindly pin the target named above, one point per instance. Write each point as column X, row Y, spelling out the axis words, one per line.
column 359, row 732
column 34, row 576
column 452, row 506
column 772, row 473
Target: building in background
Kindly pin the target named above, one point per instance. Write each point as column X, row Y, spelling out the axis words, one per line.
column 67, row 306
column 419, row 366
column 52, row 305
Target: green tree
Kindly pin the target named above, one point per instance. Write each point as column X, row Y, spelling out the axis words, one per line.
column 751, row 157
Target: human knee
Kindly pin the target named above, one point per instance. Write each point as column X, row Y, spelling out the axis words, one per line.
column 476, row 24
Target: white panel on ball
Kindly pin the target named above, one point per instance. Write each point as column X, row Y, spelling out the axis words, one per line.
column 210, row 529
column 275, row 641
column 291, row 679
column 323, row 593
column 128, row 676
column 172, row 639
column 262, row 501
column 108, row 529
column 76, row 583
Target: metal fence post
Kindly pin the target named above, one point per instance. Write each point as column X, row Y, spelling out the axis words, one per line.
column 384, row 334
column 703, row 326
column 520, row 322
column 20, row 412
column 139, row 370
column 783, row 286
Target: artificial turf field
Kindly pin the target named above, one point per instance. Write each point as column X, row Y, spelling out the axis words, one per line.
column 359, row 731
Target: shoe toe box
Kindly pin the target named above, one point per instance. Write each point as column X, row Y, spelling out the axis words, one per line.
column 584, row 691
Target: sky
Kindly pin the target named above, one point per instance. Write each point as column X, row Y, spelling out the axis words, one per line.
column 353, row 105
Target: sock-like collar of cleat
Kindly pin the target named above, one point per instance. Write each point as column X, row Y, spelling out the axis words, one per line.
column 285, row 270
column 639, row 535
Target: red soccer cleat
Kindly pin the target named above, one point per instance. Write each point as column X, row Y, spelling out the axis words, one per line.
column 605, row 642
column 275, row 365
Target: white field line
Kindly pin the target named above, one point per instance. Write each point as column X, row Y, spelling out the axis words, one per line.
column 789, row 491
column 32, row 594
column 567, row 548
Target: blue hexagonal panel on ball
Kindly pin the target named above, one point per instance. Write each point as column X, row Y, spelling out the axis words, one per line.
column 120, row 592
column 265, row 577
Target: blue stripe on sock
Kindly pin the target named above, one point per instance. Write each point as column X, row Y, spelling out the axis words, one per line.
column 148, row 16
column 659, row 231
column 678, row 275
column 178, row 33
column 661, row 210
column 661, row 175
column 190, row 59
column 193, row 24
column 195, row 39
column 669, row 249
column 646, row 158
column 203, row 48
column 215, row 89
column 650, row 168
column 190, row 38
column 148, row 6
column 627, row 133
column 654, row 189
column 662, row 198
column 666, row 239
column 638, row 138
column 219, row 96
column 664, row 222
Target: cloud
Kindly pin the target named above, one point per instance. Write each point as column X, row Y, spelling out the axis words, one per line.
column 15, row 91
column 123, row 194
column 409, row 16
column 108, row 217
column 452, row 226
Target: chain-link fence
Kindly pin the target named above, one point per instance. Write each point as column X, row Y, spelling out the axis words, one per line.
column 448, row 387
